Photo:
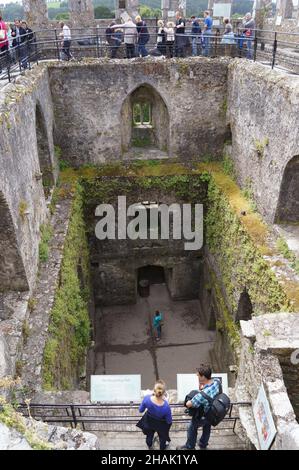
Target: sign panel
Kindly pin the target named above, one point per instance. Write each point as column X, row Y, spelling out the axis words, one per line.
column 222, row 9
column 115, row 388
column 188, row 382
column 263, row 420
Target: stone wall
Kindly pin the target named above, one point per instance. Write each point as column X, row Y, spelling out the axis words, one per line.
column 264, row 340
column 115, row 263
column 88, row 101
column 263, row 109
column 21, row 182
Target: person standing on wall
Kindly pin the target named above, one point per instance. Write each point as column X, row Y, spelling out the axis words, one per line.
column 195, row 35
column 180, row 39
column 26, row 38
column 143, row 36
column 66, row 37
column 161, row 38
column 169, row 30
column 158, row 416
column 130, row 32
column 158, row 321
column 249, row 25
column 3, row 42
column 207, row 33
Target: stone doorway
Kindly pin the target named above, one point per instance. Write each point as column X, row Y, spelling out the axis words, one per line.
column 144, row 124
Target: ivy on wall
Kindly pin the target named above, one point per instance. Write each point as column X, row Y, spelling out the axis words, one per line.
column 65, row 350
column 235, row 235
column 239, row 258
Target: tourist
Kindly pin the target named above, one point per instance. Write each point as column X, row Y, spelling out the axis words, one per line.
column 108, row 34
column 114, row 39
column 249, row 25
column 3, row 35
column 228, row 32
column 180, row 39
column 26, row 37
column 207, row 32
column 142, row 37
column 158, row 416
column 169, row 38
column 161, row 38
column 3, row 43
column 158, row 324
column 211, row 388
column 195, row 35
column 65, row 35
column 130, row 32
column 15, row 33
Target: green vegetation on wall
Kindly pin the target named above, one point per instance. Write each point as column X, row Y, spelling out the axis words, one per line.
column 65, row 351
column 239, row 258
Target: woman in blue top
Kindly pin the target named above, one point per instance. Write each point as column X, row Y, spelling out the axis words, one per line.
column 157, row 417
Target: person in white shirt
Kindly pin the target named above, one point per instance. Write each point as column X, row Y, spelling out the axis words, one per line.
column 169, row 30
column 66, row 37
column 130, row 34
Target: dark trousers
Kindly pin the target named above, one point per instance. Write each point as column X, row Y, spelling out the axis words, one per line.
column 149, row 440
column 161, row 48
column 169, row 48
column 66, row 49
column 192, row 433
column 130, row 51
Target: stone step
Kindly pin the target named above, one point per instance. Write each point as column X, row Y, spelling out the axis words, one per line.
column 224, row 440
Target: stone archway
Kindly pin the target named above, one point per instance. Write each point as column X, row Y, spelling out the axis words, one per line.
column 288, row 202
column 12, row 271
column 144, row 120
column 245, row 308
column 43, row 151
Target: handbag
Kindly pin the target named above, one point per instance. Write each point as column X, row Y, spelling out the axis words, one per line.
column 2, row 34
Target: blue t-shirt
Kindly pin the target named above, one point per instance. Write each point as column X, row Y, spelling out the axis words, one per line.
column 156, row 411
column 208, row 22
column 157, row 320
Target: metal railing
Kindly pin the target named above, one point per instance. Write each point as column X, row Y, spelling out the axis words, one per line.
column 110, row 417
column 275, row 49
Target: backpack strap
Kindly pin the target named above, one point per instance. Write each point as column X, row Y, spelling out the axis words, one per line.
column 207, row 397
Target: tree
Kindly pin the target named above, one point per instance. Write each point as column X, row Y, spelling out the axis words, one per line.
column 62, row 16
column 147, row 12
column 12, row 11
column 102, row 12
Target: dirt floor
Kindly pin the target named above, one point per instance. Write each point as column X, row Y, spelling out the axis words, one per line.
column 125, row 342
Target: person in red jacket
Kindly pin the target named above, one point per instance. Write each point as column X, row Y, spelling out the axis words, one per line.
column 3, row 42
column 3, row 35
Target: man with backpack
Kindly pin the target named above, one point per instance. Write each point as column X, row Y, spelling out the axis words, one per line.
column 207, row 407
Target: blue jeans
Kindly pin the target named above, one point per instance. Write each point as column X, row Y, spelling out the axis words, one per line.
column 192, row 433
column 207, row 42
column 159, row 331
column 142, row 50
column 194, row 45
column 249, row 49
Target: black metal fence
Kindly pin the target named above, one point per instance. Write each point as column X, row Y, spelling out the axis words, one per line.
column 274, row 49
column 114, row 417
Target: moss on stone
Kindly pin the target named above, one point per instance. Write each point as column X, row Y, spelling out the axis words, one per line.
column 65, row 350
column 12, row 419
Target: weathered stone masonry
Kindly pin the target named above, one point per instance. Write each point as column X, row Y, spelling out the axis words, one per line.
column 263, row 110
column 88, row 101
column 21, row 163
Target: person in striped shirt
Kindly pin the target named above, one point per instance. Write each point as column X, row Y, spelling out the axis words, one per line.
column 210, row 387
